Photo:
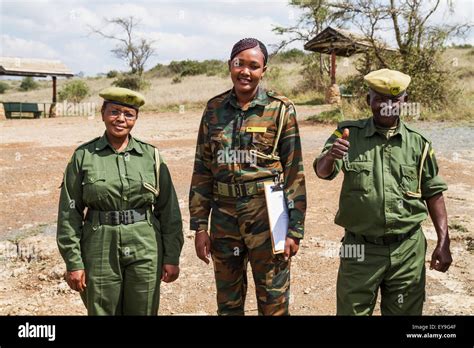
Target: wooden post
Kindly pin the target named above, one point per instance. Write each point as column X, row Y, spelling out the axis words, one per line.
column 333, row 67
column 52, row 109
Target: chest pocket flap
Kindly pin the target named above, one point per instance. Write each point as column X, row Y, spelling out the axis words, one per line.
column 358, row 176
column 94, row 186
column 91, row 177
column 409, row 180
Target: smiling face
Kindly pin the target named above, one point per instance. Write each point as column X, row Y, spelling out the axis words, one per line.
column 119, row 120
column 246, row 70
column 386, row 109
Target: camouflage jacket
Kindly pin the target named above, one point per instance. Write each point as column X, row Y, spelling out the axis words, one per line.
column 226, row 126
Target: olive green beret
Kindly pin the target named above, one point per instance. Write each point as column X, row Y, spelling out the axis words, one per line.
column 123, row 96
column 387, row 82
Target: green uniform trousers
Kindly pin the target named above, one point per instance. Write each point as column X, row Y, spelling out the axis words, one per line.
column 123, row 268
column 397, row 269
column 240, row 233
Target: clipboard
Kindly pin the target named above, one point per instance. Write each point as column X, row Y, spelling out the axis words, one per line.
column 277, row 215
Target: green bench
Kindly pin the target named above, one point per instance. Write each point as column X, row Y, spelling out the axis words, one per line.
column 21, row 108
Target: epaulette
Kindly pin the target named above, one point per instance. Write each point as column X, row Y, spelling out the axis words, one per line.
column 88, row 142
column 221, row 95
column 280, row 97
column 353, row 123
column 143, row 142
column 414, row 130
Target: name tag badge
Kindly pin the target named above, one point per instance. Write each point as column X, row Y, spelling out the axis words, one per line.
column 256, row 129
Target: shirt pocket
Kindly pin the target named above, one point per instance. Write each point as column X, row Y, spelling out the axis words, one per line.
column 358, row 176
column 409, row 178
column 94, row 186
column 143, row 185
column 263, row 142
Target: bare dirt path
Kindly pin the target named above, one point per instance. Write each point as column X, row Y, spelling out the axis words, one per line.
column 34, row 153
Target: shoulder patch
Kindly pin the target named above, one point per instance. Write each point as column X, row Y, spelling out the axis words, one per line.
column 352, row 123
column 431, row 152
column 88, row 142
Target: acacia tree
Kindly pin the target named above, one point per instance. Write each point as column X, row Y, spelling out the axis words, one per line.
column 135, row 51
column 317, row 15
column 418, row 42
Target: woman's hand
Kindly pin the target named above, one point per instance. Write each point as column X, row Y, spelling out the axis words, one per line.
column 76, row 280
column 291, row 247
column 169, row 273
column 202, row 242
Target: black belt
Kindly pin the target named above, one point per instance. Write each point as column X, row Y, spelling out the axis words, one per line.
column 387, row 239
column 122, row 217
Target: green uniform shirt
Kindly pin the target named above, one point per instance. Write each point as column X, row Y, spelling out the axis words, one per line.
column 225, row 126
column 99, row 178
column 378, row 173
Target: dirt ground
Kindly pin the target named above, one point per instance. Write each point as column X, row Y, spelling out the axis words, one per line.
column 34, row 153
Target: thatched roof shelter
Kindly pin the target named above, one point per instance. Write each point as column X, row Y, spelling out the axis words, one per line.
column 35, row 68
column 342, row 42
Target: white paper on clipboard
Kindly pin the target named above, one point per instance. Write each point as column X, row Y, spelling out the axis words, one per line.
column 277, row 216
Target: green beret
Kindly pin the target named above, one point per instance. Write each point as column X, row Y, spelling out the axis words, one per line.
column 123, row 96
column 387, row 82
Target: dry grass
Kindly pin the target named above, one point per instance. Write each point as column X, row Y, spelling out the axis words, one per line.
column 194, row 91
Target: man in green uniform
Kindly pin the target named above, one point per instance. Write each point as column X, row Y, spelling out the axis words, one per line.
column 239, row 147
column 119, row 224
column 390, row 183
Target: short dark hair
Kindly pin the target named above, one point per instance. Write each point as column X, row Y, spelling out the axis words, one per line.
column 247, row 43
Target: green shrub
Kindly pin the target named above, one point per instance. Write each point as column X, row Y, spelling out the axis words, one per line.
column 28, row 84
column 131, row 81
column 331, row 116
column 312, row 79
column 74, row 91
column 210, row 67
column 291, row 56
column 112, row 74
column 177, row 79
column 3, row 87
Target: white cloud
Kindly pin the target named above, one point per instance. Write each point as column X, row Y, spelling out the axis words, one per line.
column 182, row 29
column 16, row 47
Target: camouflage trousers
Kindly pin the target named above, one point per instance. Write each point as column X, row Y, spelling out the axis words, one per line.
column 240, row 233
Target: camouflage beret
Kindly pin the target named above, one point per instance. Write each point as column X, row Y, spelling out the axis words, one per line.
column 123, row 96
column 387, row 82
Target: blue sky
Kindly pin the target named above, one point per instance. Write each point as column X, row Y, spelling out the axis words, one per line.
column 199, row 29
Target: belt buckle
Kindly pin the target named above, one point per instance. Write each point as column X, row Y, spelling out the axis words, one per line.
column 114, row 217
column 220, row 189
column 237, row 190
column 124, row 217
column 127, row 217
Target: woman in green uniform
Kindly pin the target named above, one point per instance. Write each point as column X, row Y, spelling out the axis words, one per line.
column 119, row 224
